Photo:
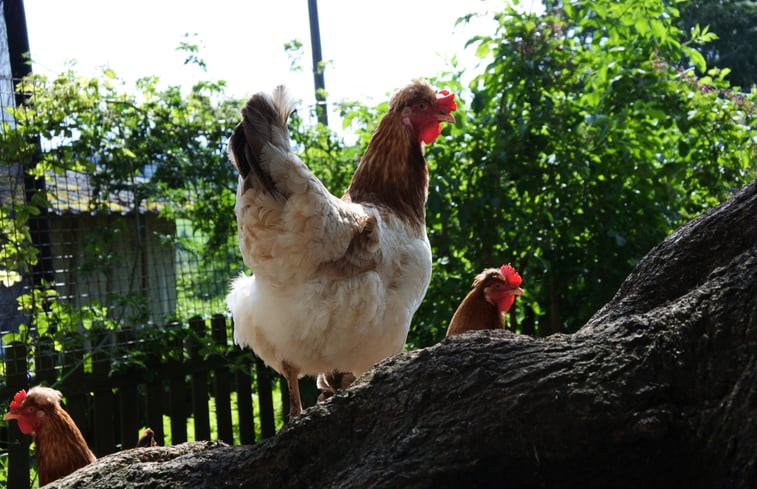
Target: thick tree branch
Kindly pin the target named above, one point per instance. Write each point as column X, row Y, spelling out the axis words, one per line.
column 659, row 389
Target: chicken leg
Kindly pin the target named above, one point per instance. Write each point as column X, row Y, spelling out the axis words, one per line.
column 295, row 402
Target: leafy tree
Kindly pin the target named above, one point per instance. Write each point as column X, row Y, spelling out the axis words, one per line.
column 580, row 144
column 583, row 145
column 166, row 147
column 735, row 23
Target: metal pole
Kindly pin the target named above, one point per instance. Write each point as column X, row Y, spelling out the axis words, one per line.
column 320, row 84
column 39, row 226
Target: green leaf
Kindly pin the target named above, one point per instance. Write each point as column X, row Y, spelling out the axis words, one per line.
column 10, row 277
column 697, row 59
column 483, row 50
column 659, row 29
column 642, row 26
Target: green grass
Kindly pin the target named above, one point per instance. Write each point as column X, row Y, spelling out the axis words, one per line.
column 4, row 471
column 277, row 408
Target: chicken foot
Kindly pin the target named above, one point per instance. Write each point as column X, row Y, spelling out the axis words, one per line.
column 330, row 383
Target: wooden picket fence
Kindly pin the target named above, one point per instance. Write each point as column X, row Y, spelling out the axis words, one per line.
column 110, row 405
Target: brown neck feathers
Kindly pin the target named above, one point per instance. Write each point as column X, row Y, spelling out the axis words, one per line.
column 475, row 313
column 393, row 172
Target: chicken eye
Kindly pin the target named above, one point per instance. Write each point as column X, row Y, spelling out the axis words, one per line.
column 422, row 106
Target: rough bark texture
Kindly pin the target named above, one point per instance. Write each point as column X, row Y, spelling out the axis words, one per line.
column 659, row 389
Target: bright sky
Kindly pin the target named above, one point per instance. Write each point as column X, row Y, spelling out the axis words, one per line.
column 373, row 46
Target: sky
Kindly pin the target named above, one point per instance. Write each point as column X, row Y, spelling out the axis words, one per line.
column 372, row 47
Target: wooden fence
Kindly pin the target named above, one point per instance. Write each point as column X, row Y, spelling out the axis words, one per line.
column 110, row 397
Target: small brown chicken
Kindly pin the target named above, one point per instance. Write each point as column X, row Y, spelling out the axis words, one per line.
column 147, row 439
column 61, row 448
column 484, row 307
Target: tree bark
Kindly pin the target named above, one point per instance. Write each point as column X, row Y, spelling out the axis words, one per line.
column 658, row 389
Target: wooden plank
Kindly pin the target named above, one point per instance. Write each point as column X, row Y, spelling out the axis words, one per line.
column 128, row 407
column 129, row 401
column 77, row 399
column 244, row 407
column 154, row 402
column 222, row 383
column 177, row 410
column 177, row 388
column 18, row 443
column 155, row 398
column 102, row 401
column 265, row 398
column 200, row 391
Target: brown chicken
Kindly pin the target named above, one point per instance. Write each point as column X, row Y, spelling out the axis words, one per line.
column 61, row 448
column 147, row 439
column 484, row 307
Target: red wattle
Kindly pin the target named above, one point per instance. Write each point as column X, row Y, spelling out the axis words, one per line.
column 505, row 302
column 429, row 133
column 25, row 426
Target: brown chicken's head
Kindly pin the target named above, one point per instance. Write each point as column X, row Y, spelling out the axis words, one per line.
column 32, row 409
column 423, row 110
column 499, row 286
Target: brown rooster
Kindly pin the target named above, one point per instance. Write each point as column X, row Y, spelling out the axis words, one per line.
column 336, row 281
column 484, row 307
column 61, row 448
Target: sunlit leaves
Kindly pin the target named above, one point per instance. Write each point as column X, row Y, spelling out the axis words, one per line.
column 586, row 143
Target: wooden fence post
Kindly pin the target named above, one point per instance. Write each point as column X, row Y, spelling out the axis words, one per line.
column 18, row 443
column 177, row 386
column 265, row 399
column 73, row 376
column 102, row 401
column 200, row 393
column 244, row 405
column 128, row 397
column 154, row 397
column 222, row 385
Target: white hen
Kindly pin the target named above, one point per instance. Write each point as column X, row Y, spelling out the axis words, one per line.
column 336, row 281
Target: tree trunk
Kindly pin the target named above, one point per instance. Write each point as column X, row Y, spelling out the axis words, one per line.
column 658, row 389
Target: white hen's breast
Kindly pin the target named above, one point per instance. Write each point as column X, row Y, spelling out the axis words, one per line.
column 322, row 324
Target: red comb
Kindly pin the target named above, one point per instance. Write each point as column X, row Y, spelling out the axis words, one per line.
column 446, row 99
column 510, row 274
column 18, row 399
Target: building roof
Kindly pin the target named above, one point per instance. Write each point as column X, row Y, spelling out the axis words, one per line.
column 73, row 193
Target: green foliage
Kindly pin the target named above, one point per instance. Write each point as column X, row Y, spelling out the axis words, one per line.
column 582, row 141
column 584, row 144
column 165, row 147
column 733, row 24
column 4, row 467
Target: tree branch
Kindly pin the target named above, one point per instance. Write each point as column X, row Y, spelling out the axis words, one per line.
column 659, row 389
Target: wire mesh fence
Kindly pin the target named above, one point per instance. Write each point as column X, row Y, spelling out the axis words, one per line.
column 79, row 252
column 113, row 269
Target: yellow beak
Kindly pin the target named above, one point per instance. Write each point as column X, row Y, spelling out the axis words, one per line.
column 10, row 416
